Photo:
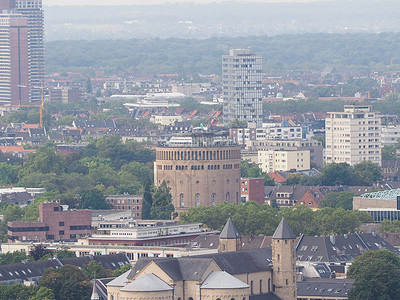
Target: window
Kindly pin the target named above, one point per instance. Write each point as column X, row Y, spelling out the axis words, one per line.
column 260, row 286
column 213, row 198
column 251, row 288
column 227, row 197
column 60, row 223
column 61, row 232
column 182, row 200
column 197, row 198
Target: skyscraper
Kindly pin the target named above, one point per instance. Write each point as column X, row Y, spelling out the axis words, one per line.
column 31, row 11
column 242, row 87
column 14, row 67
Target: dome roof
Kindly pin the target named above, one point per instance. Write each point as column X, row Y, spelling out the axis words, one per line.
column 223, row 280
column 147, row 283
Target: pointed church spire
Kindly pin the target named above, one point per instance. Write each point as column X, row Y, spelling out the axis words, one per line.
column 95, row 294
column 229, row 231
column 283, row 231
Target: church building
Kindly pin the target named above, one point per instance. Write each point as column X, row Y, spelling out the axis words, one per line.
column 231, row 274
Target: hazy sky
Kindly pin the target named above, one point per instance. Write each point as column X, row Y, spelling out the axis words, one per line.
column 133, row 2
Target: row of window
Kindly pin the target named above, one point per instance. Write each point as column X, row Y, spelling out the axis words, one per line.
column 198, row 155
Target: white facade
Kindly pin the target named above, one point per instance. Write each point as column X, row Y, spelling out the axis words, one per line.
column 165, row 120
column 276, row 160
column 390, row 135
column 353, row 136
column 242, row 87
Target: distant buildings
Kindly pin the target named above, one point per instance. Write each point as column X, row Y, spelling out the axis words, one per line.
column 65, row 95
column 127, row 202
column 242, row 87
column 252, row 189
column 390, row 135
column 201, row 168
column 354, row 135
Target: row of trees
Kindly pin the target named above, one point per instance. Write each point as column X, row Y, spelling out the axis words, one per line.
column 252, row 218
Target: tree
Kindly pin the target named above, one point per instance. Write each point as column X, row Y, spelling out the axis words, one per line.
column 389, row 153
column 12, row 258
column 16, row 291
column 147, row 202
column 67, row 283
column 38, row 251
column 162, row 207
column 338, row 174
column 336, row 200
column 389, row 226
column 368, row 172
column 8, row 173
column 122, row 270
column 95, row 270
column 88, row 86
column 376, row 275
column 94, row 199
column 43, row 293
column 293, row 179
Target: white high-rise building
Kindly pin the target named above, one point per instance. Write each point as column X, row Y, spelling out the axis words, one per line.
column 242, row 87
column 353, row 136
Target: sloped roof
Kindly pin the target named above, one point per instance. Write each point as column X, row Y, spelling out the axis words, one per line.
column 283, row 231
column 120, row 280
column 229, row 231
column 147, row 283
column 222, row 280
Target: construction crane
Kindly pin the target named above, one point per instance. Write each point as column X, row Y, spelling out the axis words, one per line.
column 41, row 106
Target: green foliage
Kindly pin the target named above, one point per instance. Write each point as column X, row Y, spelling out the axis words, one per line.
column 368, row 172
column 8, row 173
column 336, row 200
column 293, row 179
column 95, row 270
column 162, row 207
column 389, row 226
column 43, row 293
column 94, row 199
column 67, row 282
column 389, row 153
column 147, row 202
column 12, row 258
column 17, row 292
column 250, row 170
column 376, row 275
column 252, row 218
column 38, row 251
column 122, row 270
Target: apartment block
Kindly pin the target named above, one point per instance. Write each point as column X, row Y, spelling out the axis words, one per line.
column 284, row 160
column 127, row 202
column 354, row 135
column 242, row 87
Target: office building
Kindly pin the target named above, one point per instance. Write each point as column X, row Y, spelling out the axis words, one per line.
column 127, row 202
column 201, row 168
column 32, row 11
column 14, row 69
column 354, row 135
column 56, row 222
column 390, row 135
column 242, row 87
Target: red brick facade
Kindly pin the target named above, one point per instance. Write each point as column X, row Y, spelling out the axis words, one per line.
column 127, row 202
column 55, row 223
column 252, row 189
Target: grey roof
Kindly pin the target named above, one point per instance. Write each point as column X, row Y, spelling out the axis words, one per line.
column 229, row 231
column 147, row 283
column 177, row 268
column 324, row 288
column 109, row 261
column 267, row 296
column 242, row 262
column 120, row 280
column 222, row 280
column 283, row 231
column 339, row 248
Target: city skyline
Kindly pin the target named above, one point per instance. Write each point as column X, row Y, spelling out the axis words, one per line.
column 153, row 2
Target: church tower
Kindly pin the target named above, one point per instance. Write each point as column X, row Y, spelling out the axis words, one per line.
column 230, row 238
column 284, row 262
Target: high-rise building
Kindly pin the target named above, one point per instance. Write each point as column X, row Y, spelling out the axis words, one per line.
column 32, row 10
column 354, row 135
column 242, row 87
column 14, row 66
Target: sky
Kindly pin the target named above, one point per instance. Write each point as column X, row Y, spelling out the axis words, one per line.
column 135, row 2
